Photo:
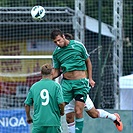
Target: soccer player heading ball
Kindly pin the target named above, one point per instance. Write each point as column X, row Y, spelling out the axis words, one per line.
column 72, row 58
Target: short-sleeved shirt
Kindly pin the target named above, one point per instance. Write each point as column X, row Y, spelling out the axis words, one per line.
column 70, row 58
column 45, row 96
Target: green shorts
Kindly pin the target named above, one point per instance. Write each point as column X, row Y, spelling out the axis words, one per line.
column 46, row 129
column 71, row 88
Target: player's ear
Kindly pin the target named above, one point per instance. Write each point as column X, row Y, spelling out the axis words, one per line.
column 64, row 36
column 52, row 72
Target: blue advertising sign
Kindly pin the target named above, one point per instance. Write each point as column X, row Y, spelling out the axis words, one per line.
column 132, row 112
column 13, row 121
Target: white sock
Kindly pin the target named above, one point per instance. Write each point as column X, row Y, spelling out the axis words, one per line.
column 105, row 114
column 71, row 127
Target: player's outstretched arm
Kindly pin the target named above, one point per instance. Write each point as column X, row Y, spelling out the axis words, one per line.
column 89, row 72
column 27, row 110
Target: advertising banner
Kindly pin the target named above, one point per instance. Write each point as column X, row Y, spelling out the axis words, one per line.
column 13, row 121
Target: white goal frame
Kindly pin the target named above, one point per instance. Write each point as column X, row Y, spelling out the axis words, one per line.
column 26, row 57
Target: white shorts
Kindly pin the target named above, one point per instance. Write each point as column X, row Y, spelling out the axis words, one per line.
column 70, row 107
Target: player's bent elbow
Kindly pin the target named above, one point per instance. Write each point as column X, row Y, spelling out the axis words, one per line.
column 62, row 106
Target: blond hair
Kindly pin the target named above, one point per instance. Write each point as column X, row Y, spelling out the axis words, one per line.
column 46, row 69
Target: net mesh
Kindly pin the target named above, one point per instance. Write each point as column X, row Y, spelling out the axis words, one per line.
column 16, row 78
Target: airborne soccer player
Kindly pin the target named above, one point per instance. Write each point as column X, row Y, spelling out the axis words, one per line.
column 90, row 109
column 72, row 58
column 47, row 99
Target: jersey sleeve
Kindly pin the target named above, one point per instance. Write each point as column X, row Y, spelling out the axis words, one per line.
column 59, row 94
column 84, row 51
column 29, row 98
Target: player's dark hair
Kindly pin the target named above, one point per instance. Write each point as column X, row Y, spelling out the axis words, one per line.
column 68, row 36
column 46, row 69
column 55, row 33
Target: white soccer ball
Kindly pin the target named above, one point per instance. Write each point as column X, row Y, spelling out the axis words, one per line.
column 37, row 12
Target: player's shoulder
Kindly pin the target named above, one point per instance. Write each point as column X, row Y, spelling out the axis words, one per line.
column 53, row 82
column 57, row 49
column 35, row 84
column 57, row 84
column 78, row 43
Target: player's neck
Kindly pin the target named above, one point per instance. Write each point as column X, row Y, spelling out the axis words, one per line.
column 47, row 77
column 67, row 42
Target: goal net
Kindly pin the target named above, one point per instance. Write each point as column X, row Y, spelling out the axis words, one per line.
column 23, row 36
column 16, row 78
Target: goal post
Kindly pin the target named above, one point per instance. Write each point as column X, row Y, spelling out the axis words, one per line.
column 26, row 57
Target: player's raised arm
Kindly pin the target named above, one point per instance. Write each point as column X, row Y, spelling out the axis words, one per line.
column 89, row 71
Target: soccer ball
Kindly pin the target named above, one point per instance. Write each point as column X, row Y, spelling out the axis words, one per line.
column 37, row 12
